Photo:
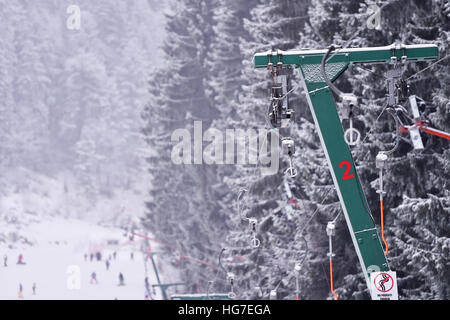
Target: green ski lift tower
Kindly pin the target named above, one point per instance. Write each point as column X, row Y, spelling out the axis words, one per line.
column 328, row 124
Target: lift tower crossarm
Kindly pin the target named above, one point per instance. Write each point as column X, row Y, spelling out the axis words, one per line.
column 323, row 108
column 413, row 53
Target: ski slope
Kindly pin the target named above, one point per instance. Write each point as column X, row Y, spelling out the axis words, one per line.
column 60, row 243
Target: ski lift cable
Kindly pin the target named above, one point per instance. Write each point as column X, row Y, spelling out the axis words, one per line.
column 155, row 240
column 181, row 255
column 230, row 276
column 250, row 185
column 248, row 189
column 306, row 251
column 295, row 87
column 373, row 125
column 368, row 70
column 397, row 136
column 382, row 156
column 211, row 283
column 405, row 112
column 255, row 242
column 307, row 224
column 337, row 216
column 279, row 282
column 241, row 192
column 315, row 212
column 338, row 49
column 220, row 260
column 331, row 232
column 332, row 48
column 428, row 67
column 338, row 92
column 297, row 268
column 218, row 269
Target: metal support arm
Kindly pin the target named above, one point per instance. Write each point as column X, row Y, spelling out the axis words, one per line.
column 323, row 108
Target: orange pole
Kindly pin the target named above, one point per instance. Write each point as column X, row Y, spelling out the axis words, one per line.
column 331, row 280
column 382, row 228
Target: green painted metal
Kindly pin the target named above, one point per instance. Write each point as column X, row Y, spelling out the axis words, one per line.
column 351, row 55
column 201, row 296
column 350, row 192
column 323, row 108
column 163, row 286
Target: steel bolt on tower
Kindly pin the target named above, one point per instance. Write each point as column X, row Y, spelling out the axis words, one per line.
column 328, row 124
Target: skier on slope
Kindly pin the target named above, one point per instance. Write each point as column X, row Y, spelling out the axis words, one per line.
column 93, row 277
column 147, row 284
column 5, row 260
column 34, row 288
column 20, row 259
column 121, row 279
column 147, row 289
column 107, row 264
column 20, row 291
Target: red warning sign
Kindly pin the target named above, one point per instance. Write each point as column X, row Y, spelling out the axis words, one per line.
column 384, row 285
column 383, row 282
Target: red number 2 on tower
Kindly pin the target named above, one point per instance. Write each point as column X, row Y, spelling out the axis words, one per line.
column 348, row 166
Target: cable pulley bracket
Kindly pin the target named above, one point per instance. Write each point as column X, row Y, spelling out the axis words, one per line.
column 254, row 242
column 381, row 164
column 395, row 91
column 349, row 103
column 280, row 115
column 331, row 229
column 230, row 278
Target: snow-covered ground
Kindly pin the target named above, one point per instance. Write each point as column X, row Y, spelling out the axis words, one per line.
column 57, row 252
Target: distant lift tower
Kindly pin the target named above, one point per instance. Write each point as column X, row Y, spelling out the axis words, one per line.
column 328, row 124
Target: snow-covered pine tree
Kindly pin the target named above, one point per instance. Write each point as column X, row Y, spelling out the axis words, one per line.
column 416, row 184
column 271, row 25
column 52, row 75
column 327, row 23
column 7, row 62
column 100, row 104
column 420, row 236
column 182, row 209
column 223, row 63
column 28, row 122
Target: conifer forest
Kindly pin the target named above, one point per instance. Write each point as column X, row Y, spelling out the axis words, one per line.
column 195, row 128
